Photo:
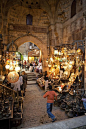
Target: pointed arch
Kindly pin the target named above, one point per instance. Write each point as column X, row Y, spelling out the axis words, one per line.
column 38, row 43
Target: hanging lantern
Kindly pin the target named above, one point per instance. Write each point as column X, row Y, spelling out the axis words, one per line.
column 7, row 66
column 65, row 67
column 60, row 89
column 72, row 74
column 79, row 50
column 64, row 58
column 55, row 52
column 51, row 59
column 49, row 65
column 66, row 72
column 17, row 68
column 59, row 53
column 13, row 77
column 70, row 67
column 11, row 67
column 71, row 62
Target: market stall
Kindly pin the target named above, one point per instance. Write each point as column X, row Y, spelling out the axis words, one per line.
column 66, row 75
column 66, row 67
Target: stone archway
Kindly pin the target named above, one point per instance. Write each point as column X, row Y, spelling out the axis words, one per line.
column 38, row 43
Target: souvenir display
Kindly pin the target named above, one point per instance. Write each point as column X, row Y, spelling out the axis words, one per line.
column 41, row 82
column 66, row 75
column 66, row 66
column 11, row 106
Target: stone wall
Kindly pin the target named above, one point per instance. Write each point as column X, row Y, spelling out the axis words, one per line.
column 17, row 23
column 68, row 29
column 14, row 34
column 74, row 29
column 17, row 15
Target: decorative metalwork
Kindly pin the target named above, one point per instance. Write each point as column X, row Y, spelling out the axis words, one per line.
column 12, row 47
column 79, row 44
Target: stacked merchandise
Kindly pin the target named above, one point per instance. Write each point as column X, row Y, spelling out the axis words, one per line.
column 41, row 82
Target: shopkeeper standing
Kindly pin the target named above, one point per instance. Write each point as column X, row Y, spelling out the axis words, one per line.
column 46, row 80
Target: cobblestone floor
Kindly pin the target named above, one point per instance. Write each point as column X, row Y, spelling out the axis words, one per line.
column 35, row 108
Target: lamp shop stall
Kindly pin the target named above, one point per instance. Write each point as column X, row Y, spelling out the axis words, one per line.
column 11, row 104
column 12, row 63
column 66, row 75
column 66, row 66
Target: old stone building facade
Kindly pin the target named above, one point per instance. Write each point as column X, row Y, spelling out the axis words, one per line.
column 46, row 23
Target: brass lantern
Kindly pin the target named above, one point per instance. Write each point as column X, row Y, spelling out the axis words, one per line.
column 13, row 77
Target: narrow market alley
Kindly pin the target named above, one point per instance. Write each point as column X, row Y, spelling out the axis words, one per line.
column 34, row 110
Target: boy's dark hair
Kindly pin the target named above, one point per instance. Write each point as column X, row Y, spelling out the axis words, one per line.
column 50, row 87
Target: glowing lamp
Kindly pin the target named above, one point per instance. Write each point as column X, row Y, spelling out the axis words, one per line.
column 7, row 66
column 55, row 66
column 66, row 72
column 79, row 50
column 72, row 74
column 65, row 67
column 60, row 89
column 64, row 58
column 49, row 65
column 17, row 68
column 70, row 79
column 70, row 66
column 11, row 67
column 55, row 52
column 51, row 59
column 71, row 62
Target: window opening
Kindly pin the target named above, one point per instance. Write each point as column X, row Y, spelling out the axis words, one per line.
column 29, row 19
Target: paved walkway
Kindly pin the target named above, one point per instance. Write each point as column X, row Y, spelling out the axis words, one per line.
column 35, row 108
column 35, row 116
column 73, row 123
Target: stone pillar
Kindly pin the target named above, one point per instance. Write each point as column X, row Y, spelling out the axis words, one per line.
column 5, row 32
column 51, row 38
column 1, row 18
column 85, row 68
column 44, row 59
column 84, row 14
column 59, row 33
column 84, row 5
column 0, row 28
column 44, row 64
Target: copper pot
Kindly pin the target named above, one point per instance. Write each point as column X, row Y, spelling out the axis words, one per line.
column 70, row 114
